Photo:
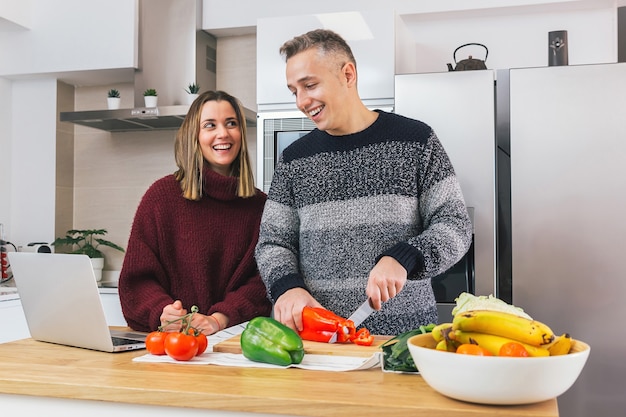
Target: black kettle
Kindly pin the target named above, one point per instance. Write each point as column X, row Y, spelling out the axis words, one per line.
column 469, row 63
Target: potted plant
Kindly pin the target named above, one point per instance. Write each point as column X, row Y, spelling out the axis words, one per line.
column 113, row 99
column 150, row 97
column 192, row 90
column 86, row 242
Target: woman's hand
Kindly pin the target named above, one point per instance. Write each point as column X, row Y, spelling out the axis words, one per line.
column 206, row 324
column 171, row 313
column 209, row 324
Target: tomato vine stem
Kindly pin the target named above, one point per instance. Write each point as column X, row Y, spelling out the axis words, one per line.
column 184, row 319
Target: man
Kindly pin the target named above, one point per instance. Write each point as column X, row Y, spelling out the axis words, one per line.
column 366, row 205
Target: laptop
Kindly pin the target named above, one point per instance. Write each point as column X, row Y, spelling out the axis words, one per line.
column 62, row 304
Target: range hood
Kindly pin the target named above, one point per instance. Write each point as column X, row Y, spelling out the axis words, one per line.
column 137, row 119
column 125, row 120
column 173, row 51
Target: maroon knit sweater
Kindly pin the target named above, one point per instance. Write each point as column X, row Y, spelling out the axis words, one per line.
column 199, row 252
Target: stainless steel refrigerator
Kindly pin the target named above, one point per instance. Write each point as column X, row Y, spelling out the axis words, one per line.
column 541, row 152
column 460, row 107
column 568, row 212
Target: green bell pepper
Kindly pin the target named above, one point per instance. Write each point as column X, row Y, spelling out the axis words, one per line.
column 267, row 340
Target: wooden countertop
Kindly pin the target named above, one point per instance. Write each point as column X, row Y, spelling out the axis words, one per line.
column 34, row 368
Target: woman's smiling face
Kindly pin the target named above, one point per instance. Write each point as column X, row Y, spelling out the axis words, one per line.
column 219, row 136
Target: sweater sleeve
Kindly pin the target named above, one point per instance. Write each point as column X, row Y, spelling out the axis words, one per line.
column 277, row 251
column 143, row 281
column 447, row 232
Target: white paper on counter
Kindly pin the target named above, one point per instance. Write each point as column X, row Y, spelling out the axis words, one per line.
column 225, row 334
column 315, row 362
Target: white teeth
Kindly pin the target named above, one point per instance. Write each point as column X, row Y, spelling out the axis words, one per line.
column 315, row 111
column 222, row 147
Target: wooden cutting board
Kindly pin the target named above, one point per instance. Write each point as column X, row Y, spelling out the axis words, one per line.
column 232, row 345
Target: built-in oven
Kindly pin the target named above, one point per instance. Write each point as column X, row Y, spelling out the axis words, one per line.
column 276, row 131
column 284, row 138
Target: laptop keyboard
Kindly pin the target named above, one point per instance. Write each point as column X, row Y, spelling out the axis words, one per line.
column 120, row 341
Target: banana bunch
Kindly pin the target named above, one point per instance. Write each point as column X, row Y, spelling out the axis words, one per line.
column 492, row 329
column 561, row 345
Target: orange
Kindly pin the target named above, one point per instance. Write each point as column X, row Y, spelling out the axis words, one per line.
column 513, row 349
column 472, row 349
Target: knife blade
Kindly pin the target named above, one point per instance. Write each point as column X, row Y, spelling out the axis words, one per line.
column 358, row 317
column 362, row 313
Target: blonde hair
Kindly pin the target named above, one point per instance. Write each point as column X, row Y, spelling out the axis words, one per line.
column 188, row 154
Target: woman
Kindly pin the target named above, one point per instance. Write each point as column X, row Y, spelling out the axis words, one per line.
column 193, row 237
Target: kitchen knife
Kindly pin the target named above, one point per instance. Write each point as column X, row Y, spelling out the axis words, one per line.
column 358, row 317
column 361, row 313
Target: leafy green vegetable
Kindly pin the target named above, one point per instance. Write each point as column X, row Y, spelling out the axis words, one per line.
column 467, row 302
column 396, row 355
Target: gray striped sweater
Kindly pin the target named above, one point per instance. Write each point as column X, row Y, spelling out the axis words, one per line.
column 337, row 204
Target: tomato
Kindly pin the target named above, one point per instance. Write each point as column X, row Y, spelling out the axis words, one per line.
column 181, row 346
column 203, row 342
column 513, row 349
column 472, row 349
column 155, row 342
column 363, row 337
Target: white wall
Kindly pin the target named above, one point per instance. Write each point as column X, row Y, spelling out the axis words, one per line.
column 5, row 153
column 33, row 169
column 15, row 15
column 222, row 20
column 514, row 40
column 236, row 69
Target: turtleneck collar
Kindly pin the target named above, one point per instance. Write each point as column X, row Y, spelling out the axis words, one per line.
column 218, row 186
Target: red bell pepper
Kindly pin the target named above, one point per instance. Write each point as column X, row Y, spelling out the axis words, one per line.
column 319, row 325
column 316, row 335
column 363, row 337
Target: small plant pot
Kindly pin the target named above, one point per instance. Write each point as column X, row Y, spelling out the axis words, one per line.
column 191, row 97
column 97, row 264
column 113, row 103
column 150, row 101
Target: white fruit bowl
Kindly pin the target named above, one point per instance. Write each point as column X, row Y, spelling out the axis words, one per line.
column 496, row 379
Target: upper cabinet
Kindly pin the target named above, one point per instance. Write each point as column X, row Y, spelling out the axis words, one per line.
column 71, row 40
column 220, row 20
column 370, row 34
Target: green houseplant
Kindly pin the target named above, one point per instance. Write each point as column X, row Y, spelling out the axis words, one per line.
column 113, row 99
column 193, row 88
column 85, row 242
column 192, row 92
column 150, row 97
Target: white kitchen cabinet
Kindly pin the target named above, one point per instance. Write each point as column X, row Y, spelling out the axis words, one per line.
column 12, row 321
column 50, row 45
column 370, row 35
column 222, row 21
